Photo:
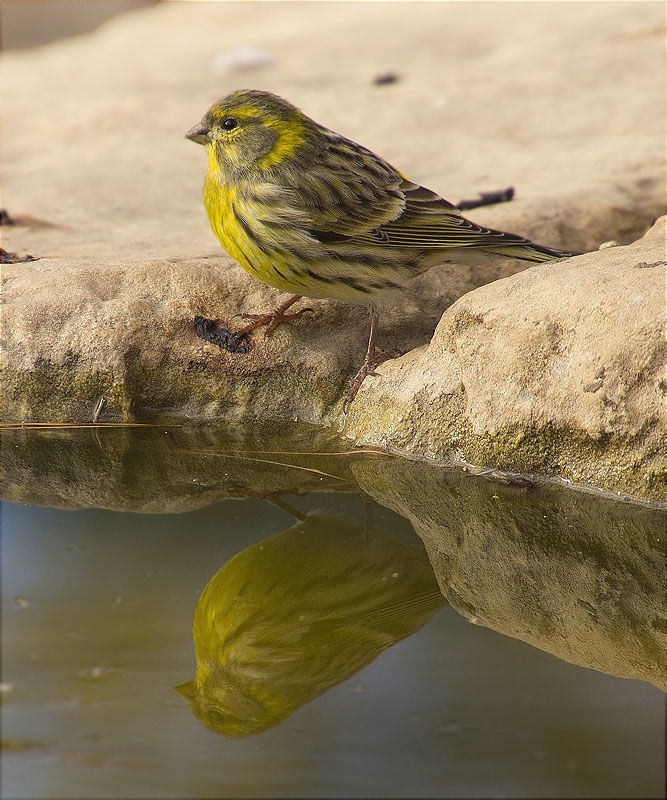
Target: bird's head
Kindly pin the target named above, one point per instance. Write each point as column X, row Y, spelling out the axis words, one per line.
column 250, row 129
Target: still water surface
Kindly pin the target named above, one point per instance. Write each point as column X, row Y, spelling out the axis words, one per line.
column 338, row 653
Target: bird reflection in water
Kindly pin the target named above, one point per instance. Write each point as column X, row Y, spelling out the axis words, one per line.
column 288, row 618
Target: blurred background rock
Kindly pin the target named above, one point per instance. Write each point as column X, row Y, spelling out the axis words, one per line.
column 29, row 23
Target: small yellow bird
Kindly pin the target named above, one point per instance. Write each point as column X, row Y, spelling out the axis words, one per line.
column 314, row 214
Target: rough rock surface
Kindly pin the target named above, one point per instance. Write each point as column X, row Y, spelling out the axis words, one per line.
column 109, row 199
column 557, row 370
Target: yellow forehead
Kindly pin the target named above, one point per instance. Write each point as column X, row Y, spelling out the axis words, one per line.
column 238, row 110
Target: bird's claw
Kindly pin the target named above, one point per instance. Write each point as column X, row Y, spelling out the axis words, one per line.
column 271, row 320
column 276, row 320
column 367, row 368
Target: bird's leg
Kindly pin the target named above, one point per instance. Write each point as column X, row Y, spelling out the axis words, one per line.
column 370, row 362
column 275, row 499
column 273, row 318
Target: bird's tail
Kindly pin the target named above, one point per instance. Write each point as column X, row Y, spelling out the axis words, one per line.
column 530, row 252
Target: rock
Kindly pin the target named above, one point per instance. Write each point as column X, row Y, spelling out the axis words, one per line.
column 112, row 207
column 577, row 576
column 578, row 134
column 125, row 332
column 557, row 370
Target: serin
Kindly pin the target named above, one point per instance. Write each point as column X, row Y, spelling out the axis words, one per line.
column 315, row 214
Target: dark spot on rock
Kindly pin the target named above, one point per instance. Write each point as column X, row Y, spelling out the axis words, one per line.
column 464, row 320
column 645, row 265
column 208, row 330
column 519, row 482
column 590, row 610
column 71, row 359
column 488, row 199
column 645, row 183
column 14, row 258
column 385, row 79
column 25, row 220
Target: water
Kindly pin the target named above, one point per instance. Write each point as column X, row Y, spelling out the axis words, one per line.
column 331, row 663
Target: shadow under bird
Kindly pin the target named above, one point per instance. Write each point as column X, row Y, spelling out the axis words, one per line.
column 315, row 214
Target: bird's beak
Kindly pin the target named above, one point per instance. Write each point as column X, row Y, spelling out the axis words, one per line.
column 199, row 133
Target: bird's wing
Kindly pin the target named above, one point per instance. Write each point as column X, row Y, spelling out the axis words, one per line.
column 357, row 196
column 420, row 200
column 348, row 190
column 430, row 221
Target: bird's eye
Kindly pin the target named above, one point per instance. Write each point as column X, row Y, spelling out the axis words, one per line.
column 229, row 123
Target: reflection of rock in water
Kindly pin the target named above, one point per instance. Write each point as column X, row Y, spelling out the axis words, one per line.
column 292, row 616
column 163, row 468
column 579, row 576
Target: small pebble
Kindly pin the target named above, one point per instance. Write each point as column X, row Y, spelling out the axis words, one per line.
column 14, row 258
column 242, row 57
column 385, row 78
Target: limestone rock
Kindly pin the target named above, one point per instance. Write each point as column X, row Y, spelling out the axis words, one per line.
column 558, row 370
column 110, row 201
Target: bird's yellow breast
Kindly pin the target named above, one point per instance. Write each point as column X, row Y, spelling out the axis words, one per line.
column 219, row 198
column 233, row 221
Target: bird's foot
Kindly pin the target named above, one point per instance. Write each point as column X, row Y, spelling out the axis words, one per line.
column 273, row 318
column 371, row 361
column 368, row 367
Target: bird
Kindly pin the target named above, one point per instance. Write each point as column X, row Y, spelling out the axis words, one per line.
column 312, row 213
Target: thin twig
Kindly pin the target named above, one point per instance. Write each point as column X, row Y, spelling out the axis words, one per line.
column 98, row 408
column 262, row 461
